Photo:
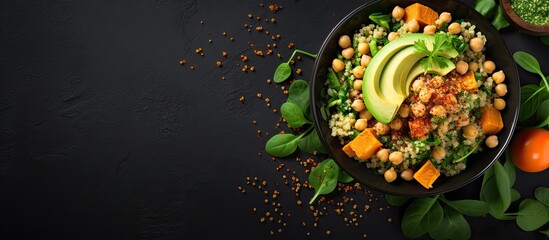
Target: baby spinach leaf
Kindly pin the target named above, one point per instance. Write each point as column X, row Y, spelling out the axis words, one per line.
column 282, row 72
column 515, row 195
column 509, row 167
column 546, row 232
column 496, row 191
column 453, row 226
column 299, row 94
column 469, row 207
column 532, row 214
column 281, row 145
column 527, row 61
column 542, row 195
column 499, row 20
column 396, row 200
column 344, row 177
column 485, row 7
column 543, row 114
column 310, row 143
column 381, row 19
column 334, row 81
column 323, row 178
column 531, row 97
column 422, row 215
column 293, row 115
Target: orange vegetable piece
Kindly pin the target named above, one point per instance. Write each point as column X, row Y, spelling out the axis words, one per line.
column 423, row 14
column 419, row 127
column 427, row 174
column 364, row 146
column 468, row 81
column 491, row 121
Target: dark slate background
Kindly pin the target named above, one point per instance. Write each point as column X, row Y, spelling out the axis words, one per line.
column 104, row 135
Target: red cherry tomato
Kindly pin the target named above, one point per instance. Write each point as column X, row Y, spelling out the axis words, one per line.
column 530, row 149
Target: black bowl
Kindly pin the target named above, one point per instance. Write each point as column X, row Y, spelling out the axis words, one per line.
column 478, row 163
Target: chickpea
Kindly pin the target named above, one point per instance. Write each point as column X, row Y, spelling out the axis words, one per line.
column 398, row 12
column 462, row 67
column 489, row 66
column 392, row 36
column 381, row 128
column 396, row 124
column 443, row 127
column 473, row 66
column 354, row 93
column 438, row 154
column 396, row 157
column 358, row 72
column 417, row 85
column 470, row 132
column 348, row 53
column 338, row 65
column 501, row 89
column 361, row 124
column 407, row 174
column 438, row 111
column 404, row 110
column 365, row 60
column 454, row 28
column 383, row 154
column 357, row 84
column 363, row 48
column 425, row 94
column 499, row 104
column 390, row 175
column 492, row 141
column 445, row 17
column 413, row 26
column 476, row 44
column 365, row 114
column 429, row 29
column 344, row 41
column 436, row 82
column 462, row 120
column 418, row 109
column 498, row 76
column 358, row 105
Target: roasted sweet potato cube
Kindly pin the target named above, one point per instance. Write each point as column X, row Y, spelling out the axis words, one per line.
column 468, row 81
column 427, row 174
column 491, row 121
column 348, row 150
column 422, row 14
column 366, row 144
column 419, row 127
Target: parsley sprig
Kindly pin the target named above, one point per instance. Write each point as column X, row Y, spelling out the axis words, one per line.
column 441, row 43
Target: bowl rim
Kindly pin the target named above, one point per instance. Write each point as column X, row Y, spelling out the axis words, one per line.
column 317, row 118
column 521, row 24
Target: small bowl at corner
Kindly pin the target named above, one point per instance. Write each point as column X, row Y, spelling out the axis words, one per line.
column 516, row 21
column 478, row 163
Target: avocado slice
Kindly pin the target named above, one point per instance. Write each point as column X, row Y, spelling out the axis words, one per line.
column 417, row 70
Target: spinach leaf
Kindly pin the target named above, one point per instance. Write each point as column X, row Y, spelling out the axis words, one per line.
column 544, row 40
column 422, row 215
column 515, row 195
column 542, row 195
column 530, row 100
column 381, row 20
column 453, row 226
column 499, row 20
column 282, row 72
column 310, row 143
column 496, row 191
column 530, row 64
column 323, row 178
column 485, row 7
column 532, row 214
column 344, row 177
column 334, row 81
column 509, row 167
column 469, row 207
column 373, row 47
column 282, row 145
column 396, row 200
column 543, row 114
column 293, row 115
column 546, row 232
column 299, row 94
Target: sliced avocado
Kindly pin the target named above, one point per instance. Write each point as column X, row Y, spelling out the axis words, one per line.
column 395, row 73
column 382, row 109
column 417, row 70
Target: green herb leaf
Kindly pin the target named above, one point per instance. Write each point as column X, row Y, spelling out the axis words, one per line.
column 293, row 115
column 396, row 200
column 381, row 19
column 527, row 61
column 299, row 94
column 531, row 97
column 282, row 72
column 373, row 47
column 422, row 215
column 473, row 208
column 543, row 114
column 532, row 214
column 484, row 7
column 344, row 177
column 542, row 195
column 453, row 226
column 459, row 44
column 281, row 145
column 323, row 178
column 499, row 20
column 515, row 195
column 310, row 143
column 334, row 81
